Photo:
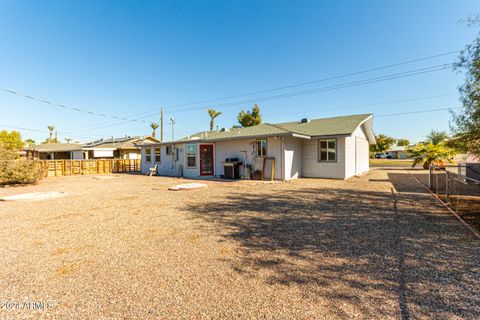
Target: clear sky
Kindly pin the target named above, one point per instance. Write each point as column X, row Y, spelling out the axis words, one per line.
column 129, row 58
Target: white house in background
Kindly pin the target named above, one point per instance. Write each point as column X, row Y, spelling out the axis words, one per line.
column 116, row 148
column 397, row 152
column 322, row 148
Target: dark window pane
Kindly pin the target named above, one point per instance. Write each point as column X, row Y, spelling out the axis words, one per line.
column 331, row 144
column 323, row 144
column 331, row 156
column 323, row 155
column 191, row 161
column 148, row 155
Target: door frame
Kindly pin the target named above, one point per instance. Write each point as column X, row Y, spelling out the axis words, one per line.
column 200, row 158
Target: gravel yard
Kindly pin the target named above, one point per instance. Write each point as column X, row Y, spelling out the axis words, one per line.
column 128, row 248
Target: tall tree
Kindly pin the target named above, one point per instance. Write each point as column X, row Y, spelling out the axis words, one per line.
column 383, row 143
column 68, row 140
column 213, row 114
column 250, row 118
column 11, row 140
column 51, row 128
column 403, row 142
column 154, row 127
column 466, row 122
column 435, row 137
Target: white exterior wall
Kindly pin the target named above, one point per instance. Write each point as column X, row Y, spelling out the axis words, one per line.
column 357, row 153
column 222, row 150
column 293, row 158
column 233, row 149
column 312, row 168
column 145, row 167
column 166, row 166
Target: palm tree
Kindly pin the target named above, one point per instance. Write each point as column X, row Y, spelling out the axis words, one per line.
column 51, row 128
column 30, row 142
column 154, row 127
column 213, row 114
column 431, row 154
column 68, row 140
column 435, row 137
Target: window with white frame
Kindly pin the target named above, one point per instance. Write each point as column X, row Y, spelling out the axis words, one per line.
column 157, row 154
column 327, row 150
column 191, row 154
column 148, row 154
column 261, row 148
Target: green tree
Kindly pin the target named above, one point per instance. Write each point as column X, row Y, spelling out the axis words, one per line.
column 436, row 137
column 154, row 127
column 68, row 139
column 431, row 154
column 383, row 143
column 250, row 119
column 51, row 128
column 466, row 122
column 11, row 140
column 403, row 142
column 16, row 169
column 213, row 114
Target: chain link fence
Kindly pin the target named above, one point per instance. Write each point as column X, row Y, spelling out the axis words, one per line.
column 459, row 186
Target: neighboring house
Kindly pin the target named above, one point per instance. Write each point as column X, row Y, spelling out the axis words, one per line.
column 324, row 148
column 55, row 151
column 466, row 158
column 116, row 148
column 397, row 152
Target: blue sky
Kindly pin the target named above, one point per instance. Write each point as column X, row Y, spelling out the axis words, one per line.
column 129, row 58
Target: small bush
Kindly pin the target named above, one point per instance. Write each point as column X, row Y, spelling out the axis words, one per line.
column 15, row 169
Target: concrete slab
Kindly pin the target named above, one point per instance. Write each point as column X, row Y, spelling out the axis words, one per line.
column 34, row 196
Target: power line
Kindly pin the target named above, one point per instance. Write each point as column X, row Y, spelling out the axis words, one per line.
column 286, row 95
column 147, row 114
column 37, row 130
column 415, row 112
column 63, row 106
column 393, row 76
column 320, row 80
column 398, row 75
column 347, row 107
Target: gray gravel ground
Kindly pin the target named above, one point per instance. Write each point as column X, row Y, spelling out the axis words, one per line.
column 308, row 249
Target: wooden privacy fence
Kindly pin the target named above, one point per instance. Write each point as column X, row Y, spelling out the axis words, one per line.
column 57, row 168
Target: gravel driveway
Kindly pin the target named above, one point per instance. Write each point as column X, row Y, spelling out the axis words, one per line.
column 126, row 248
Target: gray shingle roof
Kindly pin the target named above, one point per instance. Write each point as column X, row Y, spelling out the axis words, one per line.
column 342, row 125
column 57, row 147
column 326, row 126
column 255, row 131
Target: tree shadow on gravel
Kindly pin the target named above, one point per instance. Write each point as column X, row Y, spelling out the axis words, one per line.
column 350, row 248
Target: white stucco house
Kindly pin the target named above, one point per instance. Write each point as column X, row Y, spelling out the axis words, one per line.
column 323, row 148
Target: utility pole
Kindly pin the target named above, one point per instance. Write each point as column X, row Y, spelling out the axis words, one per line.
column 172, row 120
column 161, row 124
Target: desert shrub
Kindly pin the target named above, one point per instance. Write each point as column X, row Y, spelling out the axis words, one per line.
column 16, row 169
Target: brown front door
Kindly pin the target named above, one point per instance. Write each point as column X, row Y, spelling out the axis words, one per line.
column 206, row 160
